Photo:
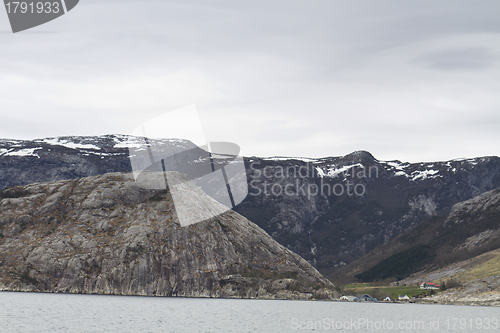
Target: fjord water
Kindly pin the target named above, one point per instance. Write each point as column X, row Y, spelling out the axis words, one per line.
column 37, row 312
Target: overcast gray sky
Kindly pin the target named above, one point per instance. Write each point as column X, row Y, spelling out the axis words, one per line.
column 407, row 80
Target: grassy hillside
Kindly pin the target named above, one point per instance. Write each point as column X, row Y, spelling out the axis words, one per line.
column 380, row 292
column 483, row 266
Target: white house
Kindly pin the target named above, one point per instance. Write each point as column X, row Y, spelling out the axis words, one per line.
column 403, row 297
column 387, row 299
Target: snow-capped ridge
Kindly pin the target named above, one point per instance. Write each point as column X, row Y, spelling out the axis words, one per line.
column 68, row 144
column 287, row 158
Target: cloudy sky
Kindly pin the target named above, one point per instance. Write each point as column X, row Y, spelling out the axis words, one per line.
column 407, row 80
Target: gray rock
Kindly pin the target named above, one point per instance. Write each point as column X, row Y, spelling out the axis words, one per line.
column 103, row 235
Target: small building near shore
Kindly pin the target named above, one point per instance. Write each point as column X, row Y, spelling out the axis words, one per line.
column 429, row 286
column 363, row 298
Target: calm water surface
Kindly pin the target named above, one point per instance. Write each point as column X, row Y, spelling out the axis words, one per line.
column 32, row 312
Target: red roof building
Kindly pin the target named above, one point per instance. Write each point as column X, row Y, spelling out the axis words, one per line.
column 429, row 285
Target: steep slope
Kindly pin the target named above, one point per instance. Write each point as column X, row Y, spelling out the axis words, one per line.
column 108, row 234
column 471, row 228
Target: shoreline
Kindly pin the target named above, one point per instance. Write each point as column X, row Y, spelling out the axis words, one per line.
column 473, row 302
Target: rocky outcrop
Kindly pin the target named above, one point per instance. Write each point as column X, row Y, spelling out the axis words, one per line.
column 107, row 234
column 474, row 224
column 483, row 206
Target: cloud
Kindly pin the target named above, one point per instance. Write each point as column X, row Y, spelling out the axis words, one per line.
column 459, row 59
column 303, row 78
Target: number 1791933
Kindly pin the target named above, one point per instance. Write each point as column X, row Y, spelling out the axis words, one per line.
column 469, row 323
column 33, row 7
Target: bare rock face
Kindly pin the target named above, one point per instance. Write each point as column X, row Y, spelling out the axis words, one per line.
column 475, row 224
column 483, row 205
column 106, row 234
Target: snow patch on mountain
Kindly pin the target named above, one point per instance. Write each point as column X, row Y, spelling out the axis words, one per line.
column 332, row 171
column 473, row 161
column 426, row 174
column 320, row 172
column 284, row 158
column 3, row 151
column 129, row 144
column 24, row 152
column 397, row 165
column 141, row 143
column 69, row 144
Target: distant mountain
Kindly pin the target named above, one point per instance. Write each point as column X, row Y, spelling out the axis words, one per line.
column 25, row 162
column 331, row 210
column 333, row 229
column 107, row 234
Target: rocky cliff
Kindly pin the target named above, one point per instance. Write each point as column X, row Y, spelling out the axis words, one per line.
column 107, row 234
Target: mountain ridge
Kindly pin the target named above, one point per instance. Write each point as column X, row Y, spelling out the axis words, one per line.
column 328, row 230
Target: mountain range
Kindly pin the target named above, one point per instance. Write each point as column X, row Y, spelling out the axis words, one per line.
column 332, row 211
